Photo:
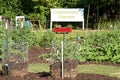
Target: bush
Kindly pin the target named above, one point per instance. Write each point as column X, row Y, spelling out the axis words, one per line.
column 47, row 38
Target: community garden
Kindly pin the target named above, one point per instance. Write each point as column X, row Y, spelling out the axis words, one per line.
column 36, row 55
column 32, row 49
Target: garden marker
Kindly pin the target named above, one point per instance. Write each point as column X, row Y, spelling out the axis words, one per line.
column 62, row 30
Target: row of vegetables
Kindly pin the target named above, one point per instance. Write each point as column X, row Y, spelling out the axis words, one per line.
column 98, row 46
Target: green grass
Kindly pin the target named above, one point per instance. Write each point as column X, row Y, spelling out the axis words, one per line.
column 113, row 71
column 35, row 68
column 100, row 69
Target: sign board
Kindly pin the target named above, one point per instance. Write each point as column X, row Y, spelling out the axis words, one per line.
column 67, row 15
column 19, row 21
column 62, row 30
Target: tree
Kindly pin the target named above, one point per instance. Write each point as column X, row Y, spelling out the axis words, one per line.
column 10, row 8
column 1, row 1
column 41, row 9
column 27, row 6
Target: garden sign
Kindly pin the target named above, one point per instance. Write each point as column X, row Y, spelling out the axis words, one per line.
column 67, row 15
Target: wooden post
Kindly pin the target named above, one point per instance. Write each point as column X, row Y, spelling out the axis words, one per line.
column 39, row 24
column 62, row 45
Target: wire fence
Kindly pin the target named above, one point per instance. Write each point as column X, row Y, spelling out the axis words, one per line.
column 16, row 57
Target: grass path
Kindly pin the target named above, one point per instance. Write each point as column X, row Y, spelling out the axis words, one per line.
column 100, row 69
column 91, row 68
column 35, row 68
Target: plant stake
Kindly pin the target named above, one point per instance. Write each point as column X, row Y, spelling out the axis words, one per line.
column 6, row 64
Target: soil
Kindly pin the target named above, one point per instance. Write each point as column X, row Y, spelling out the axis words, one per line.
column 70, row 68
column 47, row 76
column 34, row 52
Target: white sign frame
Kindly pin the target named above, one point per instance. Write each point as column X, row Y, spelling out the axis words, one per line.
column 22, row 20
column 67, row 15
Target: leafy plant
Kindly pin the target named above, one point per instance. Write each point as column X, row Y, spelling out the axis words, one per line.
column 94, row 47
column 47, row 38
column 102, row 47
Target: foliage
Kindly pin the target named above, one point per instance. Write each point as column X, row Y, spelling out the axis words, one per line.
column 116, row 25
column 47, row 39
column 70, row 51
column 96, row 46
column 105, row 25
column 40, row 9
column 11, row 8
column 37, row 38
column 2, row 36
column 23, row 35
column 102, row 47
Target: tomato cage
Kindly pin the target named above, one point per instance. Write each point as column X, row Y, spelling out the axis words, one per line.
column 16, row 60
column 71, row 53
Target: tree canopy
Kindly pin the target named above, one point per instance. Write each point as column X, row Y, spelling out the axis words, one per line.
column 40, row 9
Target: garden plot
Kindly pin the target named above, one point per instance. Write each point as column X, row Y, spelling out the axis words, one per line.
column 38, row 55
column 35, row 52
column 17, row 59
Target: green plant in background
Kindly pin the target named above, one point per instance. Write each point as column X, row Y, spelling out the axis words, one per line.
column 37, row 38
column 47, row 38
column 3, row 37
column 116, row 24
column 21, row 35
column 0, row 23
column 105, row 24
column 104, row 46
column 71, row 51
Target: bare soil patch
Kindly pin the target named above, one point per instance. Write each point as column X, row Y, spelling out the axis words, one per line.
column 47, row 76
